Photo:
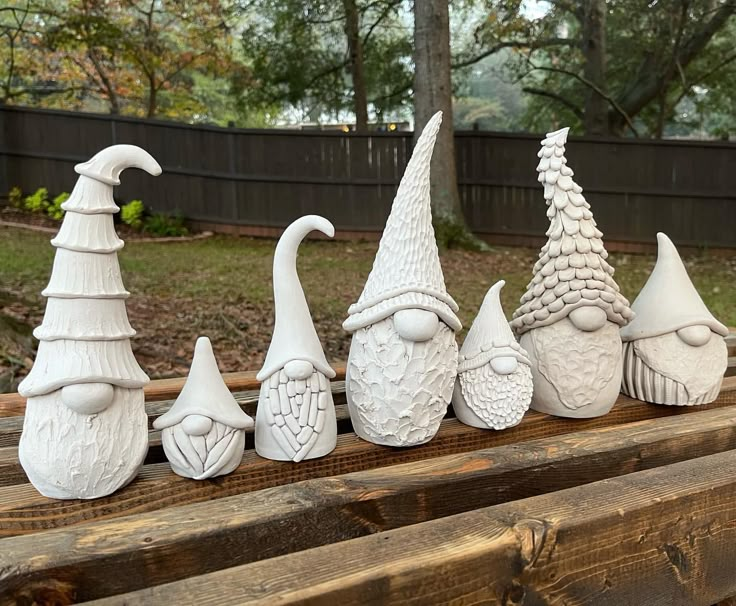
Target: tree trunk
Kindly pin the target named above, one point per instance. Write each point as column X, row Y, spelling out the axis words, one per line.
column 595, row 119
column 355, row 48
column 152, row 98
column 433, row 92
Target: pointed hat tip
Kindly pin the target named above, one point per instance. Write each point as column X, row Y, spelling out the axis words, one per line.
column 495, row 290
column 203, row 345
column 560, row 134
column 665, row 246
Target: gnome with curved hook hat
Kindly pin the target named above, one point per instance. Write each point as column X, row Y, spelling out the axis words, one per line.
column 86, row 430
column 295, row 419
column 403, row 356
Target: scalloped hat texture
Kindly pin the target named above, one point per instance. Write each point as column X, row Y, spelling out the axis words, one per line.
column 490, row 336
column 406, row 272
column 572, row 270
column 205, row 393
column 668, row 301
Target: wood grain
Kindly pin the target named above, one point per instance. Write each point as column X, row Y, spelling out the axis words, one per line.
column 104, row 558
column 23, row 510
column 657, row 537
column 12, row 404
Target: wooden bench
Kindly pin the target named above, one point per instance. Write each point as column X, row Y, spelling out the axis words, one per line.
column 636, row 507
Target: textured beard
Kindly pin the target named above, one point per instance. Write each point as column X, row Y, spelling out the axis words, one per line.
column 215, row 453
column 666, row 370
column 398, row 390
column 578, row 364
column 68, row 455
column 500, row 401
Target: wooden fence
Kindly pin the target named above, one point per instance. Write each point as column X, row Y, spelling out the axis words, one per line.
column 267, row 178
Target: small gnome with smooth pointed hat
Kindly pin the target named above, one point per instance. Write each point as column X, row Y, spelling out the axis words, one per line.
column 674, row 351
column 494, row 384
column 86, row 430
column 570, row 315
column 295, row 419
column 203, row 433
column 403, row 356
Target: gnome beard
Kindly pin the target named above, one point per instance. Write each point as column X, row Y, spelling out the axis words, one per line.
column 667, row 370
column 577, row 368
column 386, row 371
column 74, row 444
column 200, row 448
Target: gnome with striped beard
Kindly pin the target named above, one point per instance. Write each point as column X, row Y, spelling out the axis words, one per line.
column 570, row 315
column 295, row 419
column 403, row 356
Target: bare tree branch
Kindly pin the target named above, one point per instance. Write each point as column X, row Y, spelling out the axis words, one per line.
column 559, row 98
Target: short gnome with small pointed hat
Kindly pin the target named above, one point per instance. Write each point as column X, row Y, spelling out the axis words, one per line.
column 403, row 356
column 203, row 433
column 494, row 385
column 674, row 351
column 86, row 430
column 570, row 315
column 295, row 419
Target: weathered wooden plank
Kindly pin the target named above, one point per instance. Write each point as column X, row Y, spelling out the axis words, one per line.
column 23, row 510
column 12, row 404
column 657, row 537
column 268, row 523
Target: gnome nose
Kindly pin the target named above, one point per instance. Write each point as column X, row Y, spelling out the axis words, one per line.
column 588, row 318
column 88, row 398
column 697, row 335
column 504, row 365
column 416, row 324
column 298, row 369
column 196, row 425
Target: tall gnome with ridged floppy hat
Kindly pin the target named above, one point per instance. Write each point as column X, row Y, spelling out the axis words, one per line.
column 494, row 378
column 295, row 419
column 674, row 351
column 203, row 433
column 86, row 430
column 570, row 315
column 403, row 356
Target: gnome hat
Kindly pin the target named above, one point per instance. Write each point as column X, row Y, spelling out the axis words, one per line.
column 294, row 336
column 406, row 272
column 490, row 335
column 572, row 270
column 205, row 393
column 668, row 301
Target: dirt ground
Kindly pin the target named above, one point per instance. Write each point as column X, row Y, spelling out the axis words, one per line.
column 221, row 287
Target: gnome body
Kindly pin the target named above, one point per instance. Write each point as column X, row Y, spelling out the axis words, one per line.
column 493, row 389
column 85, row 432
column 203, row 433
column 570, row 315
column 403, row 355
column 674, row 351
column 295, row 419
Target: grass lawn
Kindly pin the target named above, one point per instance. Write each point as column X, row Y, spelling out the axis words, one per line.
column 221, row 287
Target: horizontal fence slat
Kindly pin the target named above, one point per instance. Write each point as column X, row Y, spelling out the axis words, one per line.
column 246, row 528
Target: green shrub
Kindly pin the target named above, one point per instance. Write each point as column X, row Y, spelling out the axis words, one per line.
column 165, row 225
column 15, row 197
column 37, row 202
column 54, row 210
column 132, row 214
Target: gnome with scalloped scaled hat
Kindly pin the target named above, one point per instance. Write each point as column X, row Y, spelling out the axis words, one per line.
column 203, row 433
column 570, row 315
column 403, row 356
column 493, row 389
column 674, row 352
column 295, row 419
column 86, row 430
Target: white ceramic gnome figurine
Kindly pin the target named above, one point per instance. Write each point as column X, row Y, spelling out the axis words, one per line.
column 674, row 351
column 86, row 430
column 570, row 315
column 493, row 389
column 295, row 419
column 203, row 433
column 403, row 355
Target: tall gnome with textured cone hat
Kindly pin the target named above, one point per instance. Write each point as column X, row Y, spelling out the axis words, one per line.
column 295, row 419
column 403, row 356
column 203, row 433
column 674, row 351
column 570, row 315
column 494, row 383
column 86, row 430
